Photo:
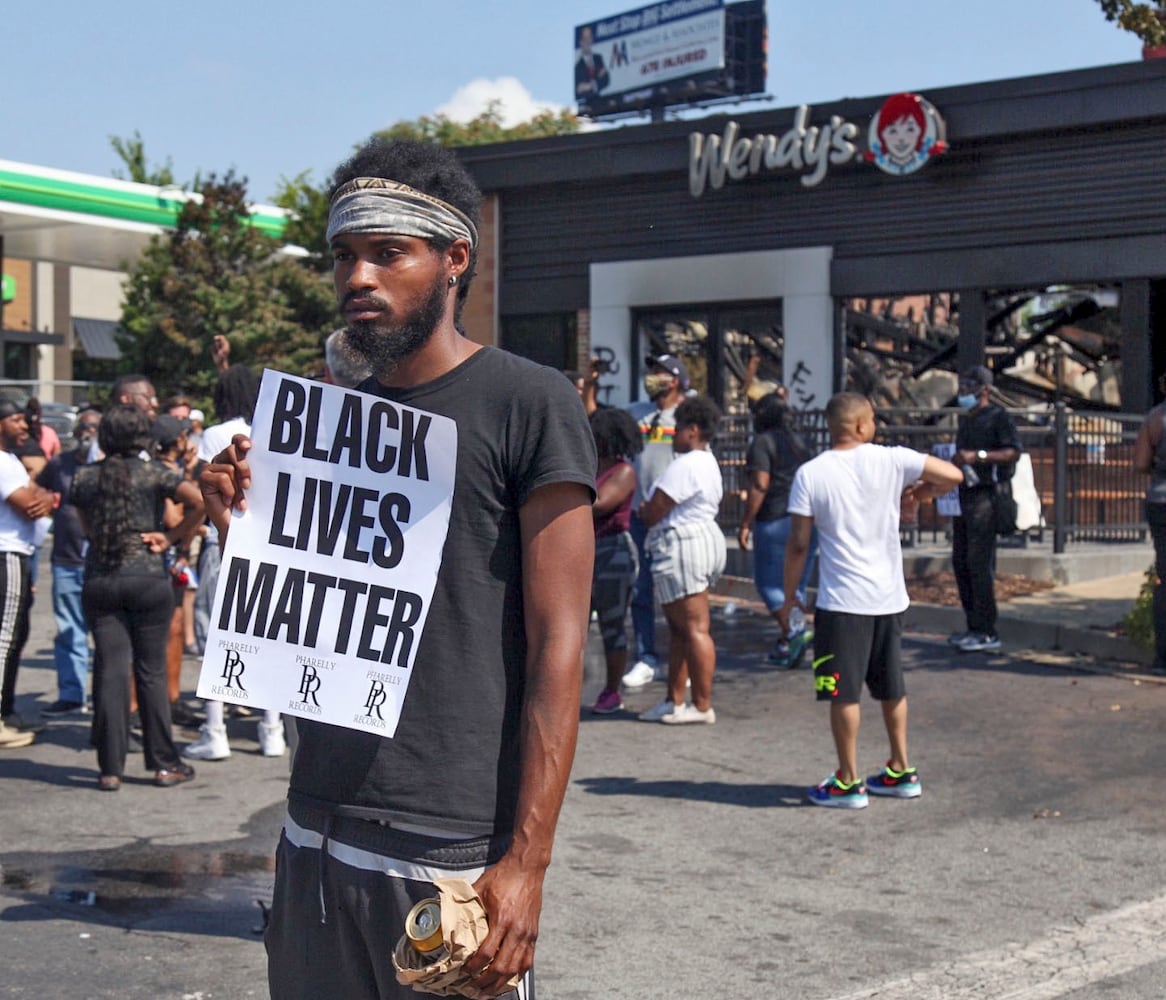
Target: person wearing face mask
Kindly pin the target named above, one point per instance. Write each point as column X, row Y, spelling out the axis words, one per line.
column 71, row 643
column 987, row 448
column 665, row 385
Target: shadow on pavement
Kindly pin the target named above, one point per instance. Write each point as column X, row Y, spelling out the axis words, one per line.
column 751, row 796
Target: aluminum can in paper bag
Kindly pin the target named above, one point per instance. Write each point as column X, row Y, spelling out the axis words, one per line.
column 423, row 929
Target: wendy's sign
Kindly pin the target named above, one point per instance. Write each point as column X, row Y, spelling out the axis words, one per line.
column 906, row 133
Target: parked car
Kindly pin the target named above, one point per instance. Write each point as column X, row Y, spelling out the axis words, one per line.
column 60, row 417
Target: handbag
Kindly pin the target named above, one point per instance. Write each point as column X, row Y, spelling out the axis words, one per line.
column 1004, row 508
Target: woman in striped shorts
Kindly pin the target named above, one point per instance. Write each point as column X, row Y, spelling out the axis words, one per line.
column 687, row 555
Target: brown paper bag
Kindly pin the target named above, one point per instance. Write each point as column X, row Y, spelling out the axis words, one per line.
column 463, row 929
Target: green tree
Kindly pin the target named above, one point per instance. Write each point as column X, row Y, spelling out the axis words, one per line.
column 215, row 274
column 132, row 152
column 1146, row 20
column 485, row 128
column 308, row 206
column 306, row 283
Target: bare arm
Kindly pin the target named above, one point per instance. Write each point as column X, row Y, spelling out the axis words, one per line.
column 655, row 508
column 224, row 482
column 181, row 531
column 797, row 550
column 758, row 487
column 558, row 549
column 1147, row 442
column 616, row 488
column 938, row 477
column 220, row 353
column 32, row 501
column 590, row 393
column 997, row 456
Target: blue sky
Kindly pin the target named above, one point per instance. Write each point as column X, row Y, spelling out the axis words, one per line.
column 273, row 90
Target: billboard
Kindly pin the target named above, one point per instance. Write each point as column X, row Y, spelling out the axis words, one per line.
column 675, row 52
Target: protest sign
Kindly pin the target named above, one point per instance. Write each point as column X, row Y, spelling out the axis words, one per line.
column 947, row 505
column 328, row 576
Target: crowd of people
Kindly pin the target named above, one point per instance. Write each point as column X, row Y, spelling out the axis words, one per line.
column 553, row 505
column 658, row 544
column 134, row 562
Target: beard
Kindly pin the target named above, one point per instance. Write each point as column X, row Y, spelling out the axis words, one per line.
column 384, row 348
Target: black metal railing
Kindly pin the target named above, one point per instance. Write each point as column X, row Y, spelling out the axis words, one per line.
column 1082, row 468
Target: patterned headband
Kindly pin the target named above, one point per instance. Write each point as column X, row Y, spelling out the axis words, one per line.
column 376, row 205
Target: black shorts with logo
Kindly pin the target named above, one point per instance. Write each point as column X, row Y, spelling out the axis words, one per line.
column 850, row 649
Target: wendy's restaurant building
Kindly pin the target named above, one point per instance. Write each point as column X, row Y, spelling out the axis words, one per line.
column 787, row 245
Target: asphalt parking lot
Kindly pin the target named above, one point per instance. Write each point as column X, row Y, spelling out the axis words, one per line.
column 687, row 859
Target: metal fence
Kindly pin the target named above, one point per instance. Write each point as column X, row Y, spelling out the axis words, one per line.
column 1082, row 465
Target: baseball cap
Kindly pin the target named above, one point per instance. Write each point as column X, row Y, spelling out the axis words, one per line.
column 671, row 364
column 978, row 376
column 168, row 429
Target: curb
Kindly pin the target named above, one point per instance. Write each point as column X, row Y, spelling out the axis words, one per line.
column 1030, row 633
column 1015, row 631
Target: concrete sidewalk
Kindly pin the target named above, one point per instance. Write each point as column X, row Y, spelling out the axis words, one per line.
column 1082, row 618
column 1077, row 618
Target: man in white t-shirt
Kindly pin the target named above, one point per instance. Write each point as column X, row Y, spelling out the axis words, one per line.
column 686, row 549
column 852, row 493
column 24, row 503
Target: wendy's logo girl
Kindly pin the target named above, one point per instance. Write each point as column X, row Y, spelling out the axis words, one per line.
column 905, row 134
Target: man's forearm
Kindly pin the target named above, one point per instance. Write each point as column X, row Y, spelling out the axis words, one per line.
column 795, row 565
column 547, row 737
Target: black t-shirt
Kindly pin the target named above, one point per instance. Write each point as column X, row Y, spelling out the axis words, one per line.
column 68, row 535
column 988, row 429
column 779, row 453
column 453, row 763
column 151, row 484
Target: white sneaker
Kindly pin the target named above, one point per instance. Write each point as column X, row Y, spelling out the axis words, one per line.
column 684, row 714
column 657, row 711
column 641, row 675
column 979, row 642
column 211, row 744
column 271, row 741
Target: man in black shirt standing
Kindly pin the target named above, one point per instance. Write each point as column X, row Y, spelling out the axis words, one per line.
column 987, row 447
column 471, row 783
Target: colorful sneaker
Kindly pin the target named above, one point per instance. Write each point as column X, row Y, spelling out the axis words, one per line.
column 979, row 642
column 608, row 701
column 687, row 714
column 896, row 784
column 835, row 795
column 657, row 711
column 797, row 648
column 640, row 675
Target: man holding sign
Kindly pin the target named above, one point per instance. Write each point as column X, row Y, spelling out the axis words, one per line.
column 426, row 545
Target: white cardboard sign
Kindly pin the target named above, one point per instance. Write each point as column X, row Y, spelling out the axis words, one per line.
column 327, row 577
